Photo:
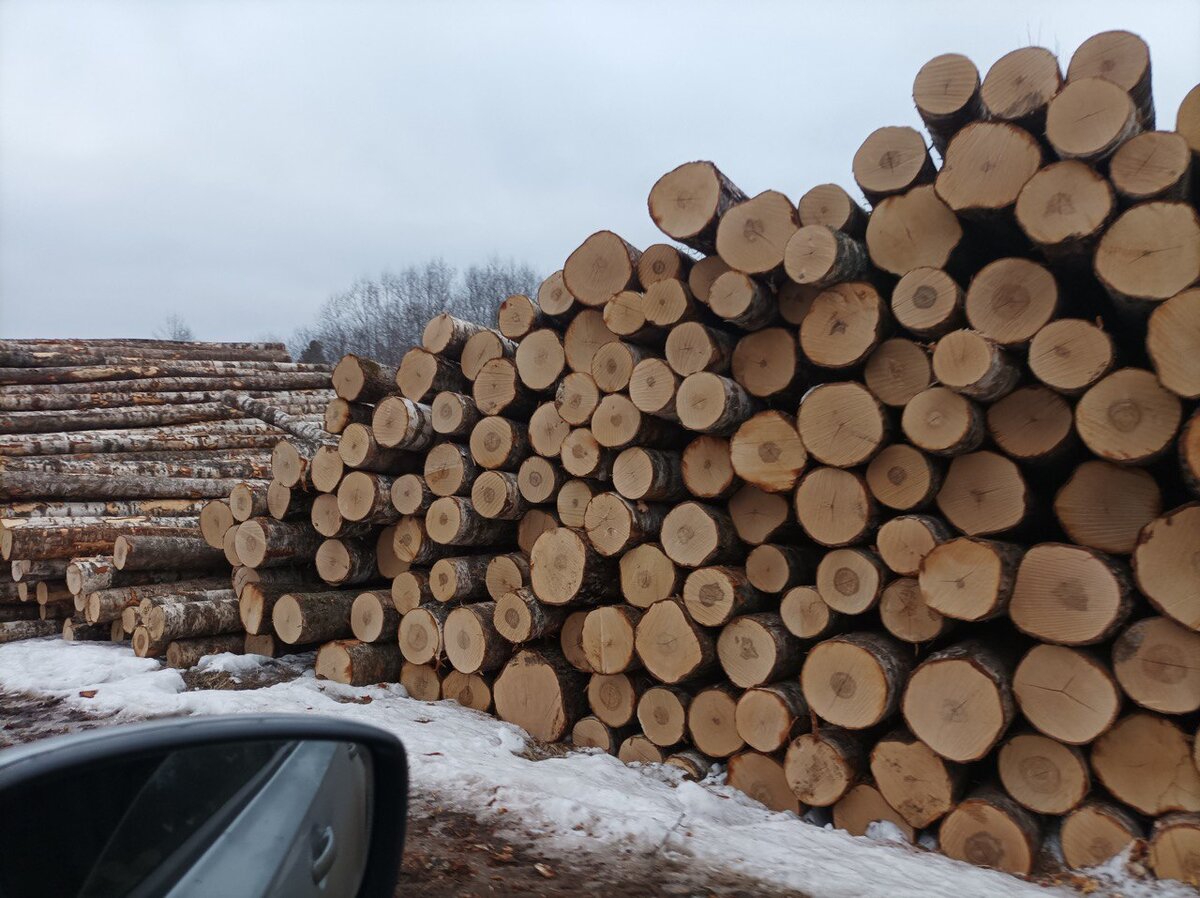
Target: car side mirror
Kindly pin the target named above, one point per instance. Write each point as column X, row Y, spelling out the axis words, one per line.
column 275, row 805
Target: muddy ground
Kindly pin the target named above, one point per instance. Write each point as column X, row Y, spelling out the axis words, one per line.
column 451, row 853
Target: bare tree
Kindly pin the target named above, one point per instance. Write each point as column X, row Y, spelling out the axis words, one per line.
column 384, row 318
column 174, row 327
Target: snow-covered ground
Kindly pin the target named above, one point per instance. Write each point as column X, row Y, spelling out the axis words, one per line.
column 578, row 802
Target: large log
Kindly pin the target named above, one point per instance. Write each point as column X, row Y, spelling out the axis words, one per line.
column 46, row 538
column 358, row 379
column 541, row 693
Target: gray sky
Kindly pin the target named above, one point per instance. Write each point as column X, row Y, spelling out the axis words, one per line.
column 236, row 162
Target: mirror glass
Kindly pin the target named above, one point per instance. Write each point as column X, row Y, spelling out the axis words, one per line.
column 238, row 818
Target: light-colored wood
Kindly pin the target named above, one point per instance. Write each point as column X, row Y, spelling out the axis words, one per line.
column 850, row 580
column 946, row 92
column 608, row 639
column 1009, row 155
column 481, row 348
column 400, row 423
column 1020, row 84
column 573, row 499
column 591, row 732
column 1105, row 506
column 820, row 256
column 499, row 444
column 1150, row 253
column 496, row 495
column 692, row 347
column 614, row 524
column 648, row 575
column 555, row 299
column 687, row 202
column 832, row 206
column 903, row 542
column 346, row 562
column 564, row 569
column 1157, row 663
column 661, row 261
column 648, row 474
column 969, row 579
column 704, row 272
column 410, row 494
column 215, row 519
column 302, row 618
column 453, row 521
column 519, row 617
column 762, row 778
column 662, row 713
column 265, row 542
column 547, row 430
column 855, row 680
column 1153, row 165
column 844, row 325
column 459, row 578
column 668, row 303
column 410, row 589
column 1063, row 210
column 583, row 456
column 498, row 390
column 959, row 702
column 1173, row 341
column 422, row 682
column 625, row 316
column 712, row 721
column 1122, row 58
column 1066, row 693
column 618, row 423
column 652, row 388
column 903, row 478
column 713, row 596
column 138, row 552
column 637, row 749
column 541, row 359
column 864, row 805
column 367, row 498
column 446, row 335
column 752, row 235
column 767, row 362
column 897, row 371
column 776, row 568
column 769, row 717
column 1042, row 775
column 928, row 302
column 971, row 364
column 359, row 379
column 1070, row 595
column 411, row 542
column 586, row 333
column 1096, row 831
column 1128, row 417
column 989, row 829
column 1089, row 119
column 840, row 424
column 539, row 480
column 672, row 647
column 823, row 765
column 472, row 691
column 517, row 316
column 1119, row 763
column 806, row 615
column 767, row 451
column 742, row 302
column 359, row 449
column 695, row 535
column 707, row 468
column 454, row 414
column 756, row 649
column 913, row 230
column 891, row 161
column 374, row 618
column 614, row 697
column 422, row 375
column 913, row 779
column 1010, row 300
column 1163, row 563
column 325, row 470
column 540, row 692
column 472, row 643
column 984, row 493
column 421, row 634
column 355, row 663
column 1175, row 848
column 834, row 507
column 613, row 364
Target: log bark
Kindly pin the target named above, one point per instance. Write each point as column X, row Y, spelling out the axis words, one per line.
column 266, row 542
column 422, row 375
column 190, row 619
column 301, row 618
column 355, row 663
column 48, row 538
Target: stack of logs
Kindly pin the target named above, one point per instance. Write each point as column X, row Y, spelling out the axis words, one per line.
column 109, row 451
column 889, row 511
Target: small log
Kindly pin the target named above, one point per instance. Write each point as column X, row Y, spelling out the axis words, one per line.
column 519, row 617
column 614, row 524
column 410, row 589
column 660, row 262
column 498, row 390
column 450, row 469
column 946, row 92
column 422, row 682
column 547, row 430
column 756, row 649
column 617, row 423
column 904, row 542
column 1096, row 831
column 776, row 568
column 850, row 581
column 653, row 387
column 648, row 576
column 1172, row 344
column 215, row 519
column 12, row 631
column 762, row 778
column 577, row 397
column 984, row 493
column 346, row 562
column 1128, row 417
column 823, row 765
column 692, row 347
column 959, row 701
column 903, row 478
column 752, row 235
column 266, row 542
column 52, row 538
column 453, row 521
column 1089, row 120
column 539, row 480
column 1154, row 165
column 600, row 268
column 359, row 379
column 583, row 456
column 844, row 326
column 742, row 302
column 518, row 315
column 447, row 336
column 914, row 780
column 834, row 507
column 769, row 717
column 591, row 732
column 586, row 333
column 1174, row 843
column 257, row 601
column 472, row 691
column 499, row 444
column 974, row 366
column 564, row 569
column 889, row 162
column 1063, row 210
column 970, row 579
column 410, row 494
column 897, row 371
column 709, row 403
column 928, row 302
column 841, row 424
column 1008, row 153
column 832, row 206
column 540, row 359
column 422, row 375
column 1160, row 564
column 340, row 412
column 1151, row 662
column 608, row 639
column 1150, row 253
column 459, row 579
column 914, row 230
column 453, row 414
column 712, row 726
column 555, row 299
column 189, row 619
column 496, row 495
column 1067, row 694
column 671, row 646
column 863, row 805
column 481, row 348
column 421, row 634
column 695, row 535
column 643, row 474
column 767, row 363
column 1122, row 58
column 1033, row 424
column 707, row 468
column 355, row 663
column 313, row 617
column 473, row 644
column 713, row 596
column 613, row 364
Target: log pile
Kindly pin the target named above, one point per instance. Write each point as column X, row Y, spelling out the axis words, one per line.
column 892, row 511
column 110, row 451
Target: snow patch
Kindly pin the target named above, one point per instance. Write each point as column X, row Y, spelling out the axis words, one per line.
column 581, row 801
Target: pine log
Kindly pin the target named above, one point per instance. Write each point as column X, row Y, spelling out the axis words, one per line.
column 472, row 691
column 586, row 333
column 422, row 682
column 340, row 412
column 498, row 390
column 1174, row 844
column 660, row 262
column 556, row 300
column 410, row 589
column 834, row 507
column 692, row 347
column 850, row 580
column 777, row 568
column 473, row 644
column 454, row 414
column 832, row 206
column 914, row 230
column 346, row 562
column 648, row 576
column 565, row 569
column 1063, row 210
column 547, row 430
column 1150, row 253
column 123, row 368
column 1154, row 662
column 1128, row 417
column 928, row 302
column 613, row 364
column 453, row 521
column 520, row 617
column 970, row 579
column 576, row 398
column 752, row 235
column 294, row 425
column 897, row 371
column 614, row 524
column 1172, row 341
column 506, row 573
column 1122, row 58
column 1119, row 762
column 709, row 403
column 583, row 456
column 446, row 335
column 1154, row 165
column 1042, row 775
column 742, row 302
column 459, row 579
column 1089, row 120
column 891, row 161
column 844, row 326
column 760, row 517
column 946, row 92
column 359, row 449
column 499, row 444
column 248, row 500
column 12, row 631
column 653, row 387
column 1070, row 595
column 481, row 348
column 400, row 423
column 864, row 805
column 422, row 375
column 855, row 680
column 769, row 717
column 713, row 596
column 1009, row 154
column 518, row 315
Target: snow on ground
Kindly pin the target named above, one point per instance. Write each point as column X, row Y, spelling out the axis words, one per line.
column 470, row 761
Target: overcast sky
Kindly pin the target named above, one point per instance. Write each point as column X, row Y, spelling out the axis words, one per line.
column 237, row 162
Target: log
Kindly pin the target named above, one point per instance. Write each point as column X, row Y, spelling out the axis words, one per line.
column 499, row 444
column 1174, row 843
column 714, row 596
column 1153, row 660
column 897, row 371
column 422, row 634
column 446, row 335
column 707, row 468
column 12, row 631
column 84, row 418
column 752, row 234
column 854, row 681
column 519, row 617
column 266, row 542
column 410, row 589
column 863, row 805
column 709, row 403
column 742, row 302
column 255, row 465
column 541, row 358
column 105, row 605
column 122, row 368
column 547, row 430
column 832, row 206
column 891, row 161
column 767, row 363
column 625, row 315
column 84, row 575
column 823, row 765
column 540, row 692
column 1154, row 165
column 1128, row 417
column 422, row 682
column 570, row 638
column 1162, row 568
column 989, row 829
column 648, row 575
column 453, row 521
column 50, row 538
column 600, row 268
column 294, row 425
column 834, row 507
column 585, row 334
column 970, row 579
column 555, row 299
column 472, row 691
column 928, row 302
column 672, row 647
column 769, row 717
column 346, row 562
column 762, row 778
column 498, row 390
column 1171, row 343
column 984, row 493
column 234, row 434
column 518, row 316
column 1033, row 424
column 422, row 375
column 844, row 326
column 1089, row 120
column 662, row 713
column 692, row 347
column 538, row 480
column 364, row 497
column 850, row 581
column 564, row 569
column 1067, row 694
column 1042, row 775
column 608, row 639
column 74, row 352
column 583, row 456
column 359, row 449
column 1170, row 783
column 482, row 348
column 591, row 732
column 617, row 423
column 459, row 579
column 473, row 644
column 576, row 398
column 313, row 617
column 190, row 619
column 248, row 500
column 341, row 412
column 454, row 414
column 660, row 262
column 1124, row 59
column 1104, row 506
column 711, row 721
column 450, row 468
column 905, row 541
column 82, row 632
column 614, row 524
column 959, row 701
column 973, row 365
column 613, row 365
column 1070, row 595
column 695, row 535
column 496, row 495
column 400, row 423
column 777, row 568
column 27, row 570
column 113, row 508
column 410, row 494
column 756, row 649
column 1008, row 153
column 1150, row 253
column 1063, row 210
column 573, row 497
column 653, row 387
column 688, row 202
column 903, row 478
column 946, row 92
column 914, row 230
column 914, row 780
column 355, row 663
column 1096, row 831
